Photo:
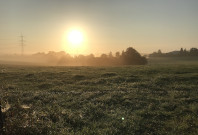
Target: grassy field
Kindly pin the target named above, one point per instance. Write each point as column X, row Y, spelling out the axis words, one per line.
column 151, row 99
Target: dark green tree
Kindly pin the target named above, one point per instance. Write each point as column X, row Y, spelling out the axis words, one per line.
column 194, row 52
column 117, row 54
column 132, row 57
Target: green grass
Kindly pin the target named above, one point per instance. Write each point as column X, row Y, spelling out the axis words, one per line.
column 152, row 99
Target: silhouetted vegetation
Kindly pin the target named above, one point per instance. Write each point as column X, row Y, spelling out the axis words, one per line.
column 182, row 53
column 132, row 57
column 128, row 57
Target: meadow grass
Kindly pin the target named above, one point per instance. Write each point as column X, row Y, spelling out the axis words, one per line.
column 151, row 99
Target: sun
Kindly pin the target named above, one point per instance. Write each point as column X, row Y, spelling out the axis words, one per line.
column 75, row 37
column 75, row 41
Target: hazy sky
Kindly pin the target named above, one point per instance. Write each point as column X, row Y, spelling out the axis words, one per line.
column 107, row 25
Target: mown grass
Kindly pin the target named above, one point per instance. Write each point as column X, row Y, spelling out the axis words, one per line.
column 152, row 99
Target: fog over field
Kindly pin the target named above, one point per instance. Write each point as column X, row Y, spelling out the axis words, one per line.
column 128, row 57
column 98, row 67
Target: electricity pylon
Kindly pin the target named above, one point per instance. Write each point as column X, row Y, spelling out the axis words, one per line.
column 22, row 44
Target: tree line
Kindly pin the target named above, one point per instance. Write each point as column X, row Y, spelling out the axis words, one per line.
column 181, row 53
column 128, row 57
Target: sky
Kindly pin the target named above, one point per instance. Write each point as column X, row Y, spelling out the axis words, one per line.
column 106, row 25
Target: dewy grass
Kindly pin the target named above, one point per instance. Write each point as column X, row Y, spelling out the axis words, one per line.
column 152, row 99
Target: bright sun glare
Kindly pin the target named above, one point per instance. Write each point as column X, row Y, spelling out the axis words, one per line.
column 75, row 42
column 75, row 37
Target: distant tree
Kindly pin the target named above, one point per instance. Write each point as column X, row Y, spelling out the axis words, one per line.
column 132, row 57
column 81, row 57
column 103, row 56
column 117, row 54
column 194, row 52
column 154, row 54
column 91, row 60
column 159, row 52
column 61, row 53
column 181, row 52
column 123, row 53
column 128, row 57
column 91, row 56
column 110, row 55
column 185, row 52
